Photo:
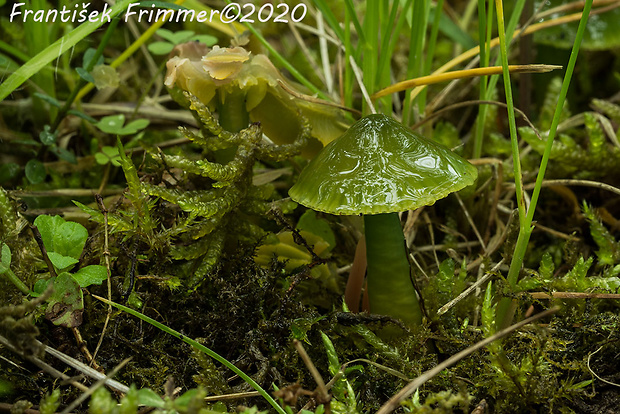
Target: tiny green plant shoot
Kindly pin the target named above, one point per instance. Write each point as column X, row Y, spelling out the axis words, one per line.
column 64, row 242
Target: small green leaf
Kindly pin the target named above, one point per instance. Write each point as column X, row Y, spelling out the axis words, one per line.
column 206, row 39
column 48, row 227
column 107, row 155
column 149, row 398
column 50, row 403
column 175, row 37
column 35, row 171
column 579, row 385
column 609, row 249
column 101, row 158
column 40, row 286
column 332, row 356
column 70, row 239
column 48, row 137
column 91, row 275
column 546, row 267
column 5, row 260
column 111, row 124
column 6, row 255
column 184, row 400
column 130, row 403
column 135, row 126
column 60, row 262
column 84, row 74
column 488, row 312
column 50, row 100
column 82, row 115
column 445, row 279
column 64, row 154
column 160, row 48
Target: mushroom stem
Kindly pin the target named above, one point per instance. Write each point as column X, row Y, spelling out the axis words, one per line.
column 353, row 291
column 390, row 287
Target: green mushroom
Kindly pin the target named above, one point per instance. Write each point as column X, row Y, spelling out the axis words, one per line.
column 378, row 168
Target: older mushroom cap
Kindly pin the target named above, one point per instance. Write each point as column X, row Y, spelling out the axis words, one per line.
column 379, row 166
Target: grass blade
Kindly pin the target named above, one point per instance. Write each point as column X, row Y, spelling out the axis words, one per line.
column 54, row 50
column 506, row 305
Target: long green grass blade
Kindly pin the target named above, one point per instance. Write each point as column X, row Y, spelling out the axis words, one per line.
column 371, row 47
column 356, row 23
column 329, row 18
column 506, row 306
column 54, row 50
column 419, row 19
column 390, row 38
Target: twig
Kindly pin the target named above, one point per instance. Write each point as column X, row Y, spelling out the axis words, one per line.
column 39, row 239
column 574, row 295
column 8, row 408
column 470, row 103
column 595, row 374
column 106, row 255
column 95, row 386
column 322, row 390
column 585, row 183
column 410, row 388
column 304, row 48
column 461, row 245
column 445, row 308
column 44, row 366
column 471, row 222
column 84, row 348
column 312, row 99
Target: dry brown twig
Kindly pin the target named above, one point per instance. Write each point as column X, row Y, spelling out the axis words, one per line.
column 106, row 255
column 321, row 394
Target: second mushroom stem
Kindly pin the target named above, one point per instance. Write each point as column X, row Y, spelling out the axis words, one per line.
column 390, row 287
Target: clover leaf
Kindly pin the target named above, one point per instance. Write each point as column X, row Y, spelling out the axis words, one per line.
column 108, row 155
column 175, row 38
column 114, row 124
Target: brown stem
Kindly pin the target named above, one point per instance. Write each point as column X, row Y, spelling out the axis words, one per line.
column 39, row 239
column 353, row 290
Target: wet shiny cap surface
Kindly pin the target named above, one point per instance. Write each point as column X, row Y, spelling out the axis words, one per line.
column 379, row 166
